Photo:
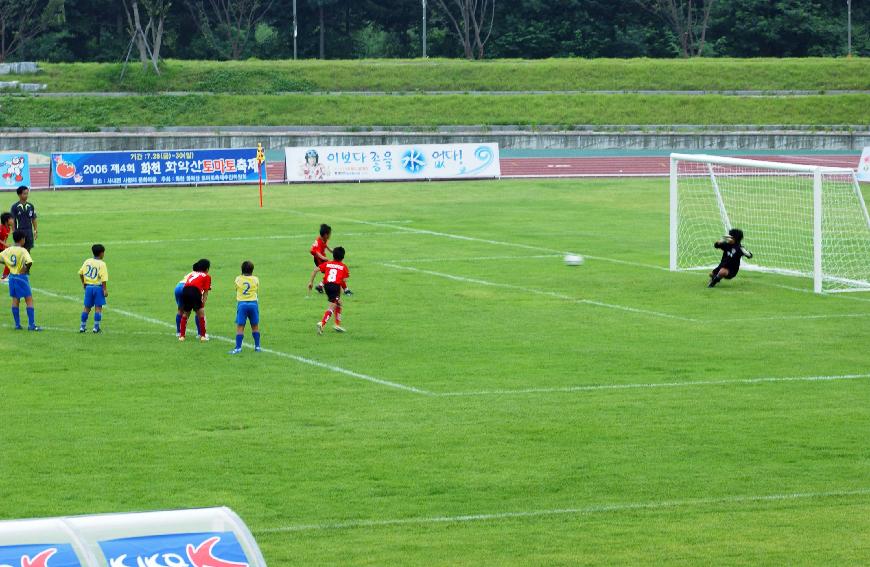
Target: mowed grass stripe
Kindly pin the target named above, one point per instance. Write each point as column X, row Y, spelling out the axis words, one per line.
column 89, row 112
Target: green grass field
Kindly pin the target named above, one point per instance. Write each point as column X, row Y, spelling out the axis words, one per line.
column 488, row 405
column 398, row 75
column 431, row 111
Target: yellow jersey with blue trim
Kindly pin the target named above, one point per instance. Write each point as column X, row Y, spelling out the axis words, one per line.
column 247, row 288
column 16, row 259
column 94, row 271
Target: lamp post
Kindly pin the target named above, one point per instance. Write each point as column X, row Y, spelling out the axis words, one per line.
column 424, row 30
column 294, row 30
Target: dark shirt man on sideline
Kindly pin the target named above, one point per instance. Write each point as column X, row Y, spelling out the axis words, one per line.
column 25, row 217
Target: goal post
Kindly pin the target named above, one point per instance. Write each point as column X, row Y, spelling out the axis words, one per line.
column 800, row 220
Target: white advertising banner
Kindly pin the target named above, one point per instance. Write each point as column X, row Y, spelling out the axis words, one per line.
column 394, row 162
column 864, row 166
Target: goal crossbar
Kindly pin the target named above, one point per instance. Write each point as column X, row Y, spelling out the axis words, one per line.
column 760, row 164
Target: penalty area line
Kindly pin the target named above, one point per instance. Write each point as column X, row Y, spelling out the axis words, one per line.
column 295, row 357
column 581, row 511
column 655, row 385
column 542, row 292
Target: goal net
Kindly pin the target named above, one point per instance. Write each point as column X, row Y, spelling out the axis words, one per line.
column 799, row 220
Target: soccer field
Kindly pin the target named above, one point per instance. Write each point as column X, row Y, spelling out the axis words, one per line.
column 487, row 406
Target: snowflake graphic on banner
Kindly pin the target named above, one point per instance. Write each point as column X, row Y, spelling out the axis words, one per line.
column 413, row 161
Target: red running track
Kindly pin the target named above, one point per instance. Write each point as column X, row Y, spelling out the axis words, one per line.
column 637, row 166
column 626, row 166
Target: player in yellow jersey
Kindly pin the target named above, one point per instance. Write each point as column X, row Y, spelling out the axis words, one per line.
column 94, row 276
column 247, row 292
column 18, row 260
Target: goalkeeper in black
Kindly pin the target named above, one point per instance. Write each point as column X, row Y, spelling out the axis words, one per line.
column 732, row 251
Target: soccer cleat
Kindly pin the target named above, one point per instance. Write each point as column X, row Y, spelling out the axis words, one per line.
column 258, row 349
column 97, row 330
column 319, row 328
column 319, row 288
column 180, row 339
column 19, row 328
column 338, row 329
column 82, row 330
column 236, row 351
column 713, row 282
column 348, row 292
column 203, row 338
column 34, row 328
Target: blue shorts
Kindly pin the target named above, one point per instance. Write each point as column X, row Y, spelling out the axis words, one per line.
column 248, row 310
column 94, row 296
column 178, row 289
column 19, row 286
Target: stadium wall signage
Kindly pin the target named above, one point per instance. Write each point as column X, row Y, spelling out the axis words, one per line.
column 391, row 163
column 207, row 537
column 154, row 167
column 14, row 170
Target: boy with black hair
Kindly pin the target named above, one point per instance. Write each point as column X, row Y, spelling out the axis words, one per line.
column 320, row 248
column 95, row 277
column 334, row 275
column 7, row 225
column 732, row 251
column 194, row 295
column 25, row 216
column 248, row 309
column 179, row 288
column 18, row 260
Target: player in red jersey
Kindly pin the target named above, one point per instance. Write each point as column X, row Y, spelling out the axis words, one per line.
column 7, row 224
column 334, row 275
column 194, row 295
column 320, row 248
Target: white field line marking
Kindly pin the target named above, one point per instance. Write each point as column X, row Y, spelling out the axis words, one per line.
column 597, row 509
column 655, row 385
column 795, row 317
column 208, row 239
column 297, row 358
column 477, row 258
column 542, row 292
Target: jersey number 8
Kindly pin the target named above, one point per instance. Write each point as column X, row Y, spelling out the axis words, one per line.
column 332, row 275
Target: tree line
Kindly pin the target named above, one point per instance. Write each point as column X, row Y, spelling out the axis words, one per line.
column 148, row 30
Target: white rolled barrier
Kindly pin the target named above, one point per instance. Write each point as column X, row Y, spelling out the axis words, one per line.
column 205, row 537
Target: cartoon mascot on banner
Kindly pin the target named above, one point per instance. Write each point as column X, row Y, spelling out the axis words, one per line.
column 14, row 170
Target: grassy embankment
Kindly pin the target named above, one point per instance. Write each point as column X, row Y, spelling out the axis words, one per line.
column 257, row 77
column 430, row 111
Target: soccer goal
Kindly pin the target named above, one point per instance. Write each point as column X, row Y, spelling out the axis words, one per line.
column 799, row 220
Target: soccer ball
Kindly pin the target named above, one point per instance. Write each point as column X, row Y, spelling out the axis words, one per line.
column 573, row 259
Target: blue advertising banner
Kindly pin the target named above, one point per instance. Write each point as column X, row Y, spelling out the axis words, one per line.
column 14, row 170
column 45, row 555
column 164, row 167
column 212, row 549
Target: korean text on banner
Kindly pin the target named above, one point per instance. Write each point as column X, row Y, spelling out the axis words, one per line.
column 154, row 167
column 864, row 166
column 14, row 170
column 393, row 162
